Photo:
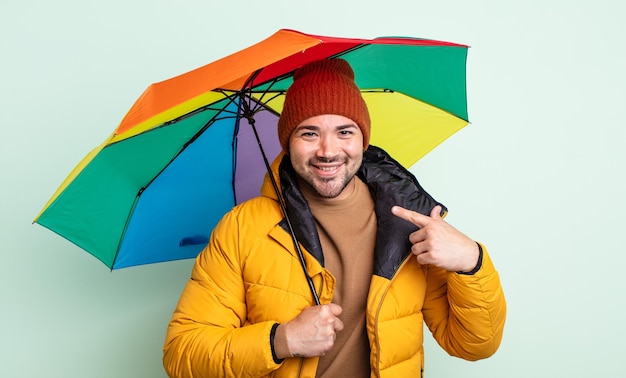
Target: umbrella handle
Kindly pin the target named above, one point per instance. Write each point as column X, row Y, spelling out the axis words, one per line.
column 283, row 207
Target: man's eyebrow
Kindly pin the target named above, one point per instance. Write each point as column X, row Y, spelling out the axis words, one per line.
column 315, row 128
column 347, row 126
column 307, row 127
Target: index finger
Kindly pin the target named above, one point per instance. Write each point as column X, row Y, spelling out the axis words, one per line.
column 334, row 309
column 414, row 217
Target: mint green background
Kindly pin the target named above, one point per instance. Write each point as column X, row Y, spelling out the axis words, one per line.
column 537, row 176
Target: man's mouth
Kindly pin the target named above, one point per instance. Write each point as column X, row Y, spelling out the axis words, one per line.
column 327, row 170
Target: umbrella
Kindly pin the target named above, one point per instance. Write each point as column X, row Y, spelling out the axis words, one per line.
column 186, row 151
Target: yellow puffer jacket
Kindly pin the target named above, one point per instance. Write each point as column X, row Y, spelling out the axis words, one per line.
column 249, row 277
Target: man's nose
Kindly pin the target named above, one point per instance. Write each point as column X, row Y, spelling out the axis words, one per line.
column 328, row 146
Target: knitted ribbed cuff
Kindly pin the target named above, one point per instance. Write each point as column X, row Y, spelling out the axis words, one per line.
column 479, row 264
column 272, row 335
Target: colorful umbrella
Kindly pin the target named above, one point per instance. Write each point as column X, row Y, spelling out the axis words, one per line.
column 185, row 152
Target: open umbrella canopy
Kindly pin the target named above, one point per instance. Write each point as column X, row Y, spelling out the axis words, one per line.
column 186, row 151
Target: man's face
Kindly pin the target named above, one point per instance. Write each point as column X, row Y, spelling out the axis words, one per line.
column 326, row 151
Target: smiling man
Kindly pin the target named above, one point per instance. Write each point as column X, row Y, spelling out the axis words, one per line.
column 381, row 258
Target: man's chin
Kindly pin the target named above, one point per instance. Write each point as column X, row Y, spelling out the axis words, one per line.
column 328, row 188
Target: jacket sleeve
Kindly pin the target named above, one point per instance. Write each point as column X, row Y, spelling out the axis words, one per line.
column 466, row 313
column 208, row 335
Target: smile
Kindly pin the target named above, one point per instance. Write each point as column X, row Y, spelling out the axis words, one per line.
column 327, row 170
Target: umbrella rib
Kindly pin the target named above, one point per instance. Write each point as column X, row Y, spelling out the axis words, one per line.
column 128, row 217
column 221, row 110
column 249, row 115
column 186, row 144
column 344, row 52
column 269, row 89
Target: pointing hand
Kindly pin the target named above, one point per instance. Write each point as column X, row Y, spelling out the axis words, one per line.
column 438, row 243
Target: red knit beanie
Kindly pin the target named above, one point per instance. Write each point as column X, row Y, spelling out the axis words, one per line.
column 323, row 87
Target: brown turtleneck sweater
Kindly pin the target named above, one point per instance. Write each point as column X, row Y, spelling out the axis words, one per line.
column 347, row 230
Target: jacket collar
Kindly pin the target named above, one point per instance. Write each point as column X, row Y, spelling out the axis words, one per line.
column 390, row 184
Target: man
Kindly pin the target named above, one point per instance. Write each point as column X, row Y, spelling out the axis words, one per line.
column 380, row 256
